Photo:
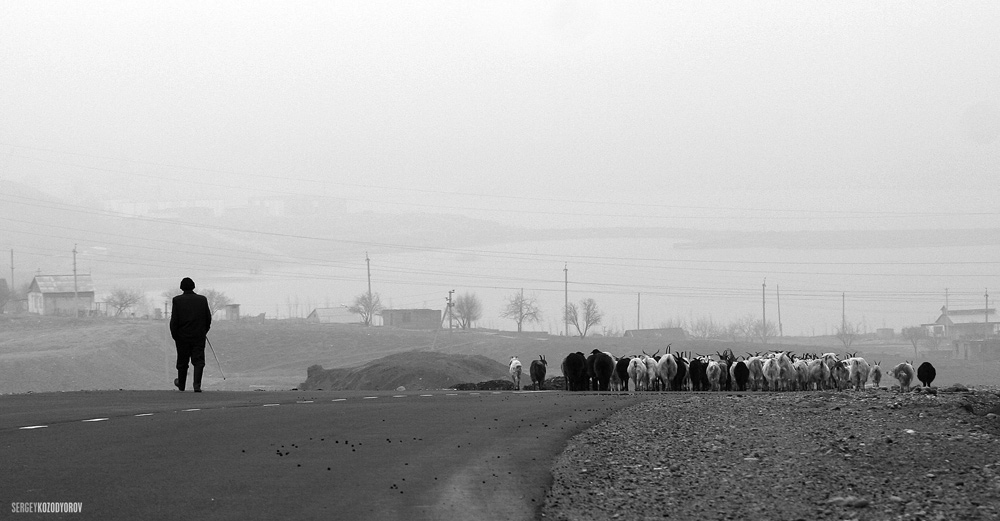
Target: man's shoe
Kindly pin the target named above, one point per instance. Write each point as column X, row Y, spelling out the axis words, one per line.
column 177, row 384
column 197, row 390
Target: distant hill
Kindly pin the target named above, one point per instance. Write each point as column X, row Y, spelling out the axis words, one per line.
column 415, row 370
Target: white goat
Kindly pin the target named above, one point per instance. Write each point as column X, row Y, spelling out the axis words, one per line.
column 772, row 373
column 714, row 373
column 876, row 373
column 756, row 367
column 666, row 370
column 858, row 370
column 904, row 373
column 650, row 378
column 818, row 374
column 515, row 372
column 801, row 374
column 637, row 373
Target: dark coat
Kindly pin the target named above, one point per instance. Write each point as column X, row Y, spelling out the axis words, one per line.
column 191, row 317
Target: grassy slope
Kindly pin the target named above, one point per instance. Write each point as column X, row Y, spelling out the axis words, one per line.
column 61, row 354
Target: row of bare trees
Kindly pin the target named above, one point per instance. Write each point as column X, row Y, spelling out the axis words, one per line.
column 467, row 309
column 122, row 301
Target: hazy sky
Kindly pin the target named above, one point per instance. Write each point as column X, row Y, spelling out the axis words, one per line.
column 738, row 103
column 694, row 114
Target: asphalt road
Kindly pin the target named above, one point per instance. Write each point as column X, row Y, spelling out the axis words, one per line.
column 288, row 455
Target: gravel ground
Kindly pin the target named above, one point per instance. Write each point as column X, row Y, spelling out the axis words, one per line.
column 876, row 454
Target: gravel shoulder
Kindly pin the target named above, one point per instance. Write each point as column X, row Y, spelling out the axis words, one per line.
column 875, row 454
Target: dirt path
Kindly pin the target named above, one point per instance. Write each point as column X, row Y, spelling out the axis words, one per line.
column 820, row 455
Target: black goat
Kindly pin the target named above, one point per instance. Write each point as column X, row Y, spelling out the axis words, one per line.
column 926, row 374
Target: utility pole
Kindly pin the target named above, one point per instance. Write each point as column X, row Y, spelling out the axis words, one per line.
column 986, row 316
column 945, row 297
column 76, row 296
column 638, row 311
column 12, row 269
column 843, row 313
column 781, row 332
column 763, row 306
column 566, row 297
column 450, row 304
column 369, row 263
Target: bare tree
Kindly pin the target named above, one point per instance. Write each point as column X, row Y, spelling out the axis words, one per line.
column 216, row 299
column 123, row 299
column 763, row 330
column 705, row 327
column 743, row 328
column 367, row 305
column 847, row 333
column 521, row 309
column 914, row 334
column 468, row 309
column 591, row 315
column 673, row 322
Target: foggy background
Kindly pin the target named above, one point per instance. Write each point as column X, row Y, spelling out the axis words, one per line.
column 681, row 151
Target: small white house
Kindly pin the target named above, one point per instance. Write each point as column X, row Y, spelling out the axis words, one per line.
column 60, row 294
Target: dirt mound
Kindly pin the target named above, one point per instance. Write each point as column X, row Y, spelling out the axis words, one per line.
column 413, row 370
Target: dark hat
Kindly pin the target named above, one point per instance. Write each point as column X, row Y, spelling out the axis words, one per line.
column 187, row 284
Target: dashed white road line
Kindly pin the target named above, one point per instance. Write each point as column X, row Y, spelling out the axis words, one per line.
column 32, row 427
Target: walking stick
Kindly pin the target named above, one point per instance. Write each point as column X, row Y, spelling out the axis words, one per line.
column 216, row 357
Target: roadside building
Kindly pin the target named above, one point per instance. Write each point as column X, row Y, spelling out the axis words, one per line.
column 338, row 315
column 61, row 295
column 668, row 334
column 412, row 318
column 960, row 324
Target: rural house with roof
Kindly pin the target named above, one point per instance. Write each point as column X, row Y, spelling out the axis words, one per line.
column 964, row 324
column 60, row 294
column 338, row 315
column 971, row 332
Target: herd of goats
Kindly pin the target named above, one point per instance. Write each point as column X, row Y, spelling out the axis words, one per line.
column 774, row 371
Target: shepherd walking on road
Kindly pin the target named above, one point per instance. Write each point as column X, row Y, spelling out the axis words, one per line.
column 190, row 321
